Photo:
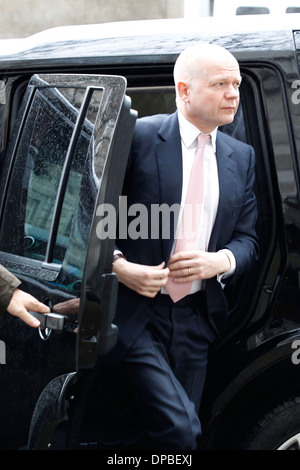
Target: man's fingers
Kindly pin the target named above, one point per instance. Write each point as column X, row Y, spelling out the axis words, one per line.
column 143, row 279
column 38, row 307
column 21, row 302
column 159, row 267
column 182, row 256
column 29, row 319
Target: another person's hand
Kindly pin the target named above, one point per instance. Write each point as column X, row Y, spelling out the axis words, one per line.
column 21, row 302
column 143, row 279
column 68, row 307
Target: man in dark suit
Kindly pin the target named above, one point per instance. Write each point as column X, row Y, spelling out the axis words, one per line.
column 163, row 344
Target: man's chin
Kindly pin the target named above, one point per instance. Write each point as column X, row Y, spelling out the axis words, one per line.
column 227, row 119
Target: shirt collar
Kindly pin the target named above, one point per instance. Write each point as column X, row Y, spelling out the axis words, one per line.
column 189, row 132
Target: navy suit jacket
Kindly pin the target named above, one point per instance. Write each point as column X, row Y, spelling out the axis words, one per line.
column 154, row 176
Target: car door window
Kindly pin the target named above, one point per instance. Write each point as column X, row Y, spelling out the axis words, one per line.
column 57, row 166
column 45, row 141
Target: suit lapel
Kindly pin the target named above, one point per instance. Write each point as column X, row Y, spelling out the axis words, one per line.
column 227, row 188
column 169, row 161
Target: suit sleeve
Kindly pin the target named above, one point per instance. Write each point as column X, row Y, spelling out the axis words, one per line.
column 244, row 242
column 8, row 284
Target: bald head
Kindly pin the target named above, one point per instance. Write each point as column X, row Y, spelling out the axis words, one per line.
column 194, row 61
column 207, row 79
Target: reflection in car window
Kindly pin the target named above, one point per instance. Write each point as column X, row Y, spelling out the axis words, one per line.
column 45, row 140
column 79, row 201
column 40, row 175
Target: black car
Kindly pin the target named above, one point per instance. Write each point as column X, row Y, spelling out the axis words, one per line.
column 67, row 116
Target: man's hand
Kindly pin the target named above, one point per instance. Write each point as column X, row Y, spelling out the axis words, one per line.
column 186, row 266
column 21, row 302
column 145, row 280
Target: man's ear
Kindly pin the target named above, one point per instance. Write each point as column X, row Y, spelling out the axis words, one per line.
column 183, row 91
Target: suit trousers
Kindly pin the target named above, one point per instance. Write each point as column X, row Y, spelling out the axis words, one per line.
column 165, row 370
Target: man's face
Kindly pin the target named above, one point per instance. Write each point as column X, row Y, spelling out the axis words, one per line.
column 214, row 97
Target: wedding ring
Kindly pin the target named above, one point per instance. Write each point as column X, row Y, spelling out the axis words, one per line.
column 189, row 271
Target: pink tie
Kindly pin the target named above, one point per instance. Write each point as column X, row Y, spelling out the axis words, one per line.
column 189, row 227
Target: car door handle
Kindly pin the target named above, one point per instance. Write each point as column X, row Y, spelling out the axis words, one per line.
column 52, row 321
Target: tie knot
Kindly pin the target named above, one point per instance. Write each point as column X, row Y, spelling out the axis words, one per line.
column 202, row 140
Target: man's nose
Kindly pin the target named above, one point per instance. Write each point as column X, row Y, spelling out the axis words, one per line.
column 232, row 92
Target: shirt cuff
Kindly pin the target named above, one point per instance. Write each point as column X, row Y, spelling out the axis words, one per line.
column 231, row 270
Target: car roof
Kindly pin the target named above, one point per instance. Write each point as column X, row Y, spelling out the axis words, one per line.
column 144, row 40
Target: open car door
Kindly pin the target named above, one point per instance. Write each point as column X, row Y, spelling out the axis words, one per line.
column 66, row 163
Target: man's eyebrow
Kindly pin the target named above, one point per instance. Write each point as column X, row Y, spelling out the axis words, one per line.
column 224, row 78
